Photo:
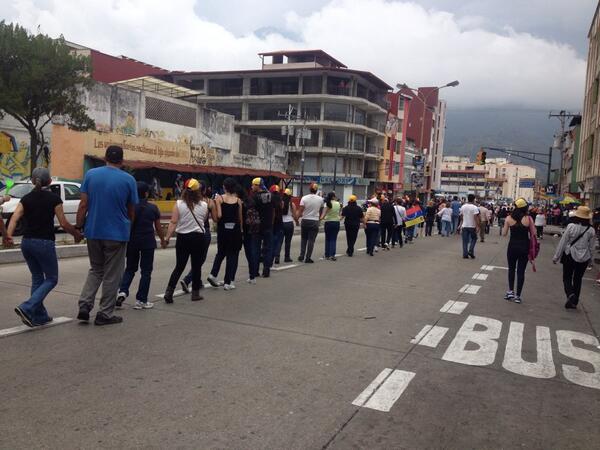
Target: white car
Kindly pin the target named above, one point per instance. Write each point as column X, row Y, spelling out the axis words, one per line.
column 68, row 191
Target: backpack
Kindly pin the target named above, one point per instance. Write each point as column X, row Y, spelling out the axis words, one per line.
column 252, row 220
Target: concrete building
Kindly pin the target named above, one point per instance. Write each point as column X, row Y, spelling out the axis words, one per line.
column 588, row 168
column 497, row 179
column 337, row 119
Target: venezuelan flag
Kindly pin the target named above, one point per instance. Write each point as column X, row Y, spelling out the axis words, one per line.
column 414, row 216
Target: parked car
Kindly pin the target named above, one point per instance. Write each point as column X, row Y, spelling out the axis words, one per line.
column 68, row 191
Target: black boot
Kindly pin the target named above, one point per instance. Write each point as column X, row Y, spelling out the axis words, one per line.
column 196, row 296
column 169, row 294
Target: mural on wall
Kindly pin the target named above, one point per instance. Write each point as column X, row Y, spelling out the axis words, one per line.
column 216, row 130
column 153, row 134
column 203, row 155
column 15, row 164
column 127, row 123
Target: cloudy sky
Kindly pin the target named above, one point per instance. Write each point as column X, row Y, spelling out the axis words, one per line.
column 506, row 53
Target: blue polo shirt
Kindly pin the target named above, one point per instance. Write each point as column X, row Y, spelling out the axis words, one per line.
column 109, row 191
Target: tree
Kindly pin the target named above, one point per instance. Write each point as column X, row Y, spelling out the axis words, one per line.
column 40, row 79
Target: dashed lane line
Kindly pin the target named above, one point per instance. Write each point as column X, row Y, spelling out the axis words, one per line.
column 384, row 390
column 24, row 328
column 480, row 276
column 454, row 307
column 469, row 289
column 430, row 336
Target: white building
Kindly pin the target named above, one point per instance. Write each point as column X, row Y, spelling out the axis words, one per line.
column 436, row 155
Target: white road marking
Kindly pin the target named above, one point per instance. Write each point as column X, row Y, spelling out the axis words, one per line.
column 454, row 307
column 24, row 328
column 361, row 249
column 433, row 337
column 179, row 292
column 469, row 289
column 480, row 276
column 486, row 341
column 422, row 333
column 291, row 266
column 493, row 267
column 382, row 396
column 513, row 360
column 573, row 373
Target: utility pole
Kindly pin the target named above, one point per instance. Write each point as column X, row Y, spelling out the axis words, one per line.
column 292, row 117
column 562, row 117
column 549, row 166
column 335, row 168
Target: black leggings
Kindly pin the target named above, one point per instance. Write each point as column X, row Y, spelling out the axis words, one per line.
column 387, row 229
column 517, row 260
column 573, row 272
column 189, row 245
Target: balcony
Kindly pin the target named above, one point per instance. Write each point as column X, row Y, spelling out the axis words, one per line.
column 374, row 150
column 332, row 90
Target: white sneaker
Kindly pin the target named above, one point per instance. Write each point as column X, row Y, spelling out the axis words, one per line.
column 229, row 287
column 213, row 281
column 121, row 297
column 251, row 281
column 142, row 305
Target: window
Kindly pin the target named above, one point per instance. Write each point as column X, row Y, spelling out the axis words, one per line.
column 359, row 142
column 72, row 192
column 266, row 111
column 233, row 109
column 225, row 88
column 55, row 189
column 360, row 117
column 338, row 86
column 334, row 138
column 311, row 111
column 396, row 168
column 274, row 86
column 595, row 91
column 312, row 85
column 590, row 154
column 248, row 144
column 337, row 112
column 401, row 104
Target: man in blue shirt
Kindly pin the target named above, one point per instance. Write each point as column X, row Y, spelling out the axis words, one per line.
column 455, row 206
column 108, row 199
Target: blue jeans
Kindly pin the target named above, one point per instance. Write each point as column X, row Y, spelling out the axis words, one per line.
column 469, row 239
column 40, row 255
column 332, row 228
column 409, row 232
column 372, row 232
column 455, row 220
column 446, row 227
column 277, row 241
column 144, row 259
column 261, row 243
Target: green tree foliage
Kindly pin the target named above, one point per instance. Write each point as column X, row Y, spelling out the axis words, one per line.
column 40, row 78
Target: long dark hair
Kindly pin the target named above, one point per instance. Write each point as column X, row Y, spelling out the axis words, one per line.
column 329, row 198
column 191, row 198
column 230, row 185
column 286, row 203
column 518, row 213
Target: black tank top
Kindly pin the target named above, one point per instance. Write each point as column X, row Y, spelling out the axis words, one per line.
column 519, row 237
column 230, row 213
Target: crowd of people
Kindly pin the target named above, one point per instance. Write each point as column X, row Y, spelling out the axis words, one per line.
column 120, row 226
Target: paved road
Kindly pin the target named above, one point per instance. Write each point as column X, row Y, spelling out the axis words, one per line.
column 329, row 355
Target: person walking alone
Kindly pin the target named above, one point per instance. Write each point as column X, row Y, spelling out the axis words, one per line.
column 141, row 248
column 106, row 208
column 469, row 226
column 331, row 218
column 309, row 211
column 288, row 217
column 229, row 235
column 188, row 219
column 352, row 214
column 575, row 251
column 371, row 220
column 521, row 231
column 37, row 209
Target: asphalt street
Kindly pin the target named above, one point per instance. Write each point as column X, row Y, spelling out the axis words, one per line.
column 411, row 348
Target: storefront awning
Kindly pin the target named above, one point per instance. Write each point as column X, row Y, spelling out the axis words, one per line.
column 193, row 168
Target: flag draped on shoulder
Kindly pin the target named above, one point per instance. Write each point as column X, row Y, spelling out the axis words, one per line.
column 414, row 216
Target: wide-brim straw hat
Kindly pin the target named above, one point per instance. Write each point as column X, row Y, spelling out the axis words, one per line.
column 583, row 212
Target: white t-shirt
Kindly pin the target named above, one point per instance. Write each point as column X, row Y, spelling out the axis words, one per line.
column 468, row 211
column 446, row 214
column 540, row 220
column 187, row 223
column 400, row 214
column 312, row 206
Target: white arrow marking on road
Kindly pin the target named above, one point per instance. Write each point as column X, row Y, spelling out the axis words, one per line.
column 469, row 289
column 24, row 328
column 383, row 392
column 454, row 307
column 480, row 276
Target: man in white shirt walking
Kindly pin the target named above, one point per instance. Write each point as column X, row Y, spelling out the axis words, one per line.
column 483, row 219
column 469, row 226
column 309, row 211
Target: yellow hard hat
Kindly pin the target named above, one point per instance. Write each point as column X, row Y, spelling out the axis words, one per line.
column 257, row 181
column 288, row 191
column 520, row 203
column 192, row 184
column 352, row 198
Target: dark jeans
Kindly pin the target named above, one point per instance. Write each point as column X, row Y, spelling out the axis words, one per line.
column 386, row 230
column 397, row 235
column 40, row 255
column 309, row 229
column 439, row 225
column 278, row 236
column 248, row 238
column 207, row 238
column 262, row 242
column 455, row 220
column 231, row 264
column 409, row 232
column 540, row 231
column 469, row 239
column 428, row 227
column 517, row 261
column 351, row 235
column 288, row 232
column 372, row 231
column 189, row 246
column 573, row 272
column 332, row 228
column 144, row 259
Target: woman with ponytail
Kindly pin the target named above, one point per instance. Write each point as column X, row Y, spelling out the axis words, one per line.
column 38, row 209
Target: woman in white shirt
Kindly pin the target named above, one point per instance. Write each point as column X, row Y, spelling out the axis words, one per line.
column 575, row 251
column 446, row 216
column 540, row 223
column 188, row 220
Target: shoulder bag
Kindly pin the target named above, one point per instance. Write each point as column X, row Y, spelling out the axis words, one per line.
column 564, row 256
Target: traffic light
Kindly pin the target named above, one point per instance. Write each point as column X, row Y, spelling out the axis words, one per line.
column 481, row 155
column 427, row 170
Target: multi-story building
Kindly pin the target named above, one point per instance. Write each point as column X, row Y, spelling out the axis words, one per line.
column 336, row 116
column 571, row 156
column 497, row 179
column 588, row 168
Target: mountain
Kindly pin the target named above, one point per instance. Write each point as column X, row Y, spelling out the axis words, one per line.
column 530, row 130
